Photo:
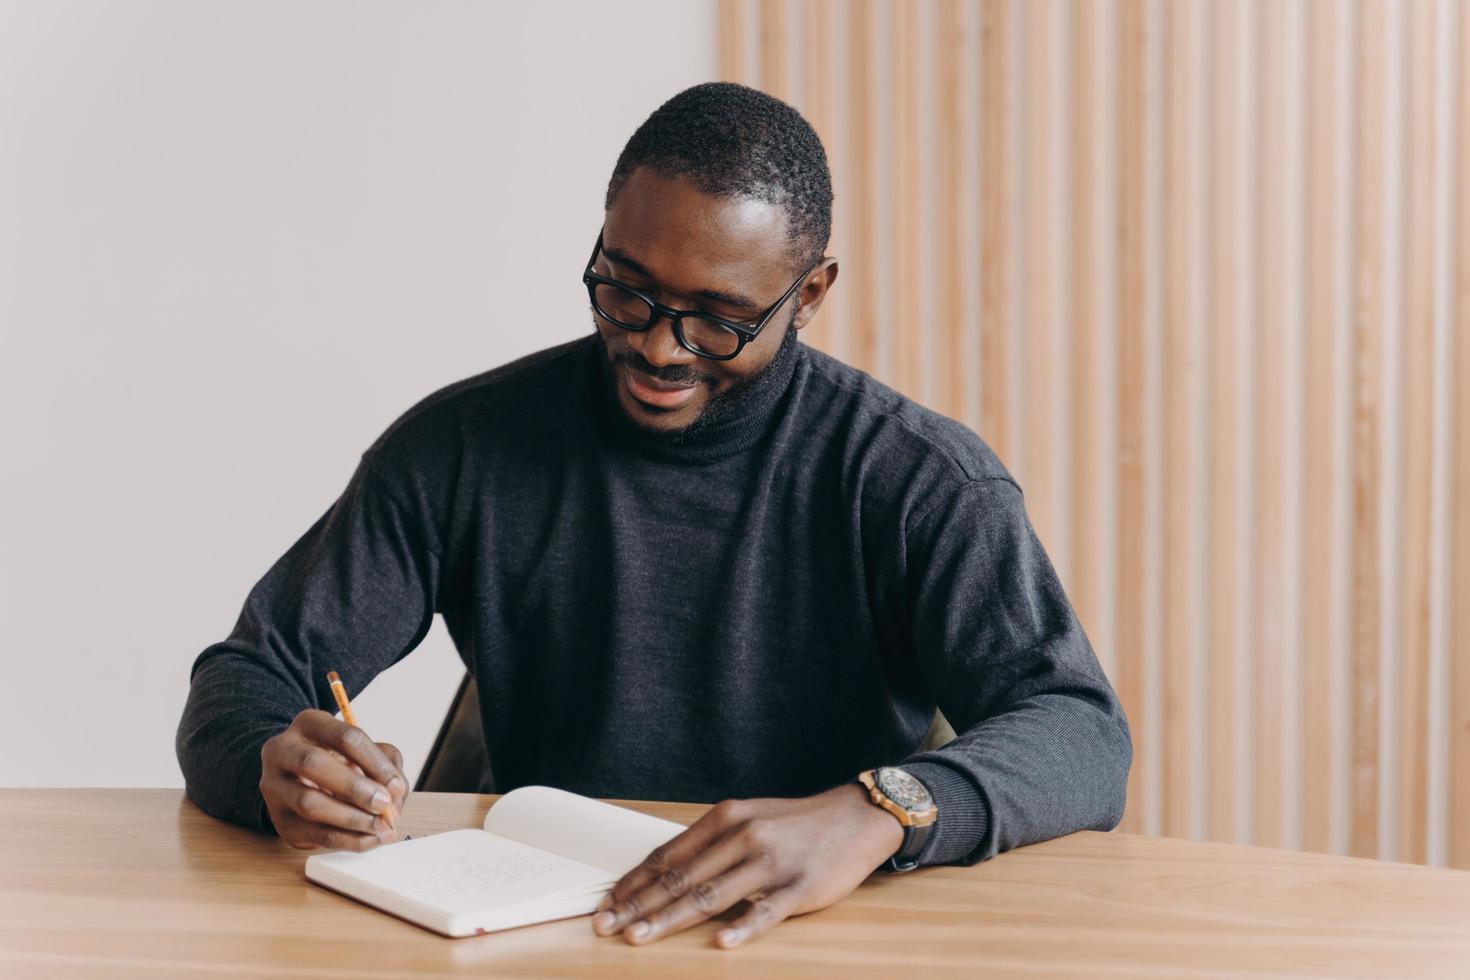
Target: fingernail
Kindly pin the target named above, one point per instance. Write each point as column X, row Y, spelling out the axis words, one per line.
column 638, row 930
column 728, row 937
column 380, row 799
column 387, row 836
column 397, row 786
column 602, row 922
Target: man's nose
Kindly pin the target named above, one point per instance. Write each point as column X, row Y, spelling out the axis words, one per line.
column 659, row 346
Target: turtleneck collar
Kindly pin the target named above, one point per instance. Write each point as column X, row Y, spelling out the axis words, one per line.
column 740, row 422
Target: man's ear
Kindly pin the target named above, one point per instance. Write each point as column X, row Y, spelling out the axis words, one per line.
column 813, row 291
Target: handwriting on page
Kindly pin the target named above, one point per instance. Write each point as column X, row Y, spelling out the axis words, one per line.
column 477, row 875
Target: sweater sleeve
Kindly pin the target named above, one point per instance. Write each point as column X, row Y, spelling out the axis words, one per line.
column 355, row 594
column 1043, row 748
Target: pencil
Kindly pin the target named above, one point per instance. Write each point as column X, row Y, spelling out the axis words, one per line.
column 340, row 693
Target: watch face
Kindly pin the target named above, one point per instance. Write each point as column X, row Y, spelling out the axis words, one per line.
column 903, row 789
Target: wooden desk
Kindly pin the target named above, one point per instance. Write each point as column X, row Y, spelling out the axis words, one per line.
column 140, row 882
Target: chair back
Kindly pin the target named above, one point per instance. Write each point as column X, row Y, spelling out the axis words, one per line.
column 458, row 763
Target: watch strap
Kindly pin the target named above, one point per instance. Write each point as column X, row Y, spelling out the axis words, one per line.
column 907, row 856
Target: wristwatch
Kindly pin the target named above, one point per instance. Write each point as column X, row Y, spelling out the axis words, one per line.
column 908, row 799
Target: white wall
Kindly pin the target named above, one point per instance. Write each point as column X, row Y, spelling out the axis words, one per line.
column 236, row 241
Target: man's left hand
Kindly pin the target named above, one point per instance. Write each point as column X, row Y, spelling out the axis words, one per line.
column 787, row 856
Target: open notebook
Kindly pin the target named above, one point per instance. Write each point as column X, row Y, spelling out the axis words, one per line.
column 544, row 854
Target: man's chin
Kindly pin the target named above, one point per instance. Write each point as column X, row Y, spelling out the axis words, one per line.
column 671, row 423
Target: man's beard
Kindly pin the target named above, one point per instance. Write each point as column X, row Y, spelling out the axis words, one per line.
column 721, row 406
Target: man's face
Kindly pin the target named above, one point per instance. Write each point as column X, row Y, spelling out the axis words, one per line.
column 683, row 246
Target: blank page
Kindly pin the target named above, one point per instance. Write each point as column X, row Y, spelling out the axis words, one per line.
column 578, row 827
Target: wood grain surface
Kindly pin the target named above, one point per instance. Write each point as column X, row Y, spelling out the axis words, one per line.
column 140, row 882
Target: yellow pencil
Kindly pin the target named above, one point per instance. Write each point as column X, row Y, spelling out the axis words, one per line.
column 340, row 693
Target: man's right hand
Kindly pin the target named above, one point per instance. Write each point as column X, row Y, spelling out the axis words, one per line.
column 327, row 784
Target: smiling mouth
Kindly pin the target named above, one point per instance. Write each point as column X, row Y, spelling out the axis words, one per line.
column 654, row 393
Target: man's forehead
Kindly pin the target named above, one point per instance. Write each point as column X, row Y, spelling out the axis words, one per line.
column 669, row 228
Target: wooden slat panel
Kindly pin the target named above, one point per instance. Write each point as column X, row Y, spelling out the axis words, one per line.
column 997, row 223
column 818, row 104
column 907, row 294
column 862, row 152
column 1087, row 575
column 1367, row 406
column 731, row 41
column 775, row 49
column 1236, row 173
column 1326, row 231
column 955, row 44
column 1132, row 133
column 1227, row 320
column 1459, row 584
column 1417, row 427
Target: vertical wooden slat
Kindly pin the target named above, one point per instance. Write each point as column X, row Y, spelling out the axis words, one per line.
column 955, row 43
column 1132, row 108
column 1044, row 392
column 732, row 41
column 1459, row 584
column 1227, row 320
column 775, row 47
column 1325, row 233
column 1417, row 432
column 1180, row 388
column 1270, row 448
column 819, row 107
column 861, row 154
column 907, row 295
column 1291, row 24
column 997, row 302
column 1367, row 405
column 1085, row 578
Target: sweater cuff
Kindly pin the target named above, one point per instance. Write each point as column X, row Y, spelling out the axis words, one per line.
column 964, row 815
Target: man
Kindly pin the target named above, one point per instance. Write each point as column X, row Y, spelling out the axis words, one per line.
column 686, row 558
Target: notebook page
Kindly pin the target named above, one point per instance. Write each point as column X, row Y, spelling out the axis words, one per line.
column 461, row 872
column 586, row 830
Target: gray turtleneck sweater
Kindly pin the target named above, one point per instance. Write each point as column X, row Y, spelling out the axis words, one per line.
column 765, row 608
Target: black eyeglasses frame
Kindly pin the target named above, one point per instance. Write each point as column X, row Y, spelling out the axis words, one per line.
column 744, row 333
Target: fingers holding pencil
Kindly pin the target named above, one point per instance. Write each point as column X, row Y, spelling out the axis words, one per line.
column 325, row 783
column 396, row 783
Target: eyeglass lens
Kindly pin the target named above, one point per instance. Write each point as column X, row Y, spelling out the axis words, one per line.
column 632, row 312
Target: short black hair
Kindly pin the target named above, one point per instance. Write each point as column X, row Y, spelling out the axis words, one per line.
column 731, row 140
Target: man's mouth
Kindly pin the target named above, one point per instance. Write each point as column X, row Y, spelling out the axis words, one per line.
column 658, row 394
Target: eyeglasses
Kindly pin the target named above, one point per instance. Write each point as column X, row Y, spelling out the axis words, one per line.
column 697, row 332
